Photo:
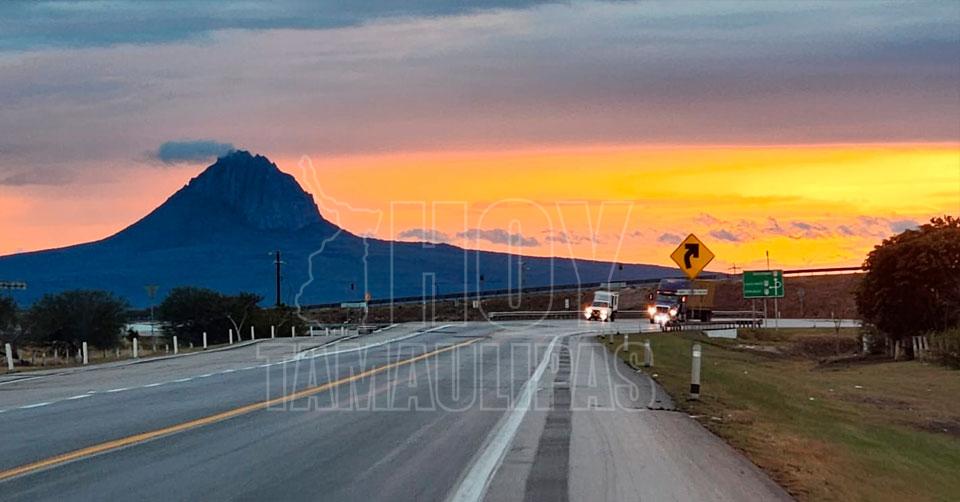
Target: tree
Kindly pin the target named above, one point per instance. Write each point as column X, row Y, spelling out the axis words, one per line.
column 912, row 280
column 95, row 317
column 188, row 312
column 8, row 318
column 241, row 308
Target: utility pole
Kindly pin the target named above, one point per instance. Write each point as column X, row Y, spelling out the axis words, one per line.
column 151, row 293
column 278, row 262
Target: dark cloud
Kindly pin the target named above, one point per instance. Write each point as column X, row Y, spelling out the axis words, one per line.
column 499, row 236
column 725, row 235
column 668, row 238
column 425, row 235
column 846, row 231
column 176, row 152
column 96, row 24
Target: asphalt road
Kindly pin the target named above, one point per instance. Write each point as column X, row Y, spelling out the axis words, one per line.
column 512, row 411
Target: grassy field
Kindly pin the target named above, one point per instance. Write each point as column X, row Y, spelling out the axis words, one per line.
column 825, row 430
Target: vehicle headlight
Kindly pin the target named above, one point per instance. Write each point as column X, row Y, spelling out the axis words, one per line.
column 673, row 312
column 651, row 310
column 603, row 314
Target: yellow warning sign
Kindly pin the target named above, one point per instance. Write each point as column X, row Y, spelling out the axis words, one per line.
column 692, row 256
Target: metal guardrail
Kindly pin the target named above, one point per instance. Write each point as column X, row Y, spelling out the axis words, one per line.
column 702, row 326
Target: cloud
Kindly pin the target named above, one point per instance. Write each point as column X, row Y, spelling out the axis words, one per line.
column 176, row 152
column 425, row 235
column 38, row 177
column 44, row 23
column 499, row 236
column 359, row 77
column 846, row 231
column 898, row 226
column 668, row 238
column 725, row 235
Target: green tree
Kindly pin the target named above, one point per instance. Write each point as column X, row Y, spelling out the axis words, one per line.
column 188, row 312
column 95, row 317
column 8, row 318
column 912, row 280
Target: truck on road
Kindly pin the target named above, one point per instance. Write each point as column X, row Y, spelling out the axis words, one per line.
column 680, row 300
column 604, row 306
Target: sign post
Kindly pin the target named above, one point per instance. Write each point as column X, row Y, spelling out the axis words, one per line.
column 692, row 256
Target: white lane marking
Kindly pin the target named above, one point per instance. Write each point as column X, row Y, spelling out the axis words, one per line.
column 37, row 405
column 119, row 389
column 247, row 368
column 181, row 380
column 78, row 396
column 205, row 375
column 265, row 365
column 153, row 384
column 303, row 355
column 26, row 379
column 227, row 371
column 474, row 485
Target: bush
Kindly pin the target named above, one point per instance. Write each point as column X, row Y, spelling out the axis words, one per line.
column 945, row 347
column 95, row 317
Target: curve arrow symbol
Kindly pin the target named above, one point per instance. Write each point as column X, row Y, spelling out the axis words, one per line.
column 693, row 250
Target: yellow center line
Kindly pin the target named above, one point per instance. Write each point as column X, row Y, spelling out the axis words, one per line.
column 219, row 417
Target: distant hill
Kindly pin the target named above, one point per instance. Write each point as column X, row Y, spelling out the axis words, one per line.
column 217, row 231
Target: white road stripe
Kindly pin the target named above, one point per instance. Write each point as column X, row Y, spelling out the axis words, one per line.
column 205, row 375
column 181, row 380
column 153, row 384
column 474, row 485
column 121, row 389
column 29, row 406
column 78, row 396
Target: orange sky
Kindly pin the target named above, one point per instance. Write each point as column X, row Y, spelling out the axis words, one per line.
column 809, row 206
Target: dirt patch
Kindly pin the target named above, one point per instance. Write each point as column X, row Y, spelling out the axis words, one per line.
column 949, row 427
column 824, row 346
column 883, row 403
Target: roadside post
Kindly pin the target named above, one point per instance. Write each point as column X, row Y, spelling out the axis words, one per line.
column 9, row 353
column 86, row 358
column 647, row 354
column 253, row 334
column 204, row 340
column 176, row 347
column 136, row 347
column 273, row 331
column 695, row 373
column 293, row 331
column 230, row 334
column 311, row 330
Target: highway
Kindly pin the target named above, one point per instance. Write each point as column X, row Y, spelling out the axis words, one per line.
column 466, row 411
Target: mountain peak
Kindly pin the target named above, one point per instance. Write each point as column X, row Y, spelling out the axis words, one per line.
column 264, row 197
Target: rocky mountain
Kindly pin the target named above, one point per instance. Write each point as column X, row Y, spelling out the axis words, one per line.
column 218, row 231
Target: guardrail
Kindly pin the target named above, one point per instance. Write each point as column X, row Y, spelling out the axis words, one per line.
column 701, row 326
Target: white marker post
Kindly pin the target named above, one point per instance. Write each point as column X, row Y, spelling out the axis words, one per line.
column 176, row 347
column 273, row 331
column 293, row 331
column 253, row 334
column 9, row 352
column 326, row 332
column 647, row 354
column 204, row 340
column 136, row 348
column 695, row 373
column 230, row 334
column 311, row 330
column 86, row 359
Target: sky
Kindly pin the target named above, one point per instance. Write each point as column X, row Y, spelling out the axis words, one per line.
column 602, row 130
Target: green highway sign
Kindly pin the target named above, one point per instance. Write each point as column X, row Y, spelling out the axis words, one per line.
column 762, row 284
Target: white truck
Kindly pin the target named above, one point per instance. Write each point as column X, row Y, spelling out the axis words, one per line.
column 604, row 307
